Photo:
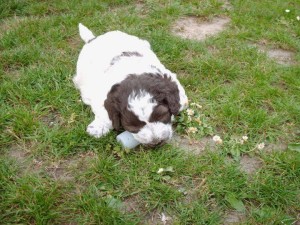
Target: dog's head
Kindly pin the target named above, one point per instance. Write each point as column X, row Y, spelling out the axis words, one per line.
column 144, row 106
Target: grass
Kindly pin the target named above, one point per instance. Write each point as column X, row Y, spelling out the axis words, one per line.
column 241, row 91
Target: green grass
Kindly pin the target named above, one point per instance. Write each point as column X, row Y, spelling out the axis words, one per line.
column 241, row 90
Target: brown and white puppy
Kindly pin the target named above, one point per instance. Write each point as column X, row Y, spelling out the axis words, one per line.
column 126, row 85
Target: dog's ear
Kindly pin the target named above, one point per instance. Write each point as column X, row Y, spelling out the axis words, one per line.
column 167, row 94
column 171, row 97
column 160, row 113
column 112, row 105
column 172, row 101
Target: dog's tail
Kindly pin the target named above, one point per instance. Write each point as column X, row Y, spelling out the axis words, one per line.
column 85, row 34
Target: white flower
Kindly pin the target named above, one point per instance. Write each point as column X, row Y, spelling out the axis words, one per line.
column 217, row 139
column 261, row 146
column 245, row 138
column 287, row 10
column 190, row 112
column 160, row 170
column 298, row 18
column 192, row 130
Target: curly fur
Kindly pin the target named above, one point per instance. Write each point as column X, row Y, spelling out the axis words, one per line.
column 125, row 84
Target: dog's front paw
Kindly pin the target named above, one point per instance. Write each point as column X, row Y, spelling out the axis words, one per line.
column 97, row 130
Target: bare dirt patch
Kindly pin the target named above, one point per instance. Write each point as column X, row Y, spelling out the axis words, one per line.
column 60, row 171
column 17, row 152
column 196, row 191
column 233, row 217
column 194, row 28
column 193, row 146
column 142, row 9
column 52, row 118
column 278, row 147
column 131, row 204
column 281, row 56
column 22, row 154
column 63, row 170
column 250, row 165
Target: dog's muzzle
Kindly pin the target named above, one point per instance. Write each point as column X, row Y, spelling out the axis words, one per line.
column 154, row 134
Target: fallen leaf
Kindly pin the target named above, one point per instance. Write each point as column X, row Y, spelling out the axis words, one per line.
column 235, row 203
column 294, row 147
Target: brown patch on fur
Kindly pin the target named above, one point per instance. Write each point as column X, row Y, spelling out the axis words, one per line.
column 164, row 91
column 124, row 54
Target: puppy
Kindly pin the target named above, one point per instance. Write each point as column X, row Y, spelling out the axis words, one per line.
column 126, row 85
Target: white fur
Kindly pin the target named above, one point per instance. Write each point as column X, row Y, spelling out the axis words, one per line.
column 154, row 133
column 85, row 34
column 95, row 75
column 141, row 104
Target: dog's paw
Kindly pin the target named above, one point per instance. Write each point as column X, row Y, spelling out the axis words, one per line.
column 97, row 130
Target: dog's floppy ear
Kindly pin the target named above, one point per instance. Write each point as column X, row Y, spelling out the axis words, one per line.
column 171, row 97
column 112, row 105
column 172, row 101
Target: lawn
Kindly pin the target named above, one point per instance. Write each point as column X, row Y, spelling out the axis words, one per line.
column 236, row 155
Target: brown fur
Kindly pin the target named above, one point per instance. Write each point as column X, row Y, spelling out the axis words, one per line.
column 163, row 90
column 124, row 54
